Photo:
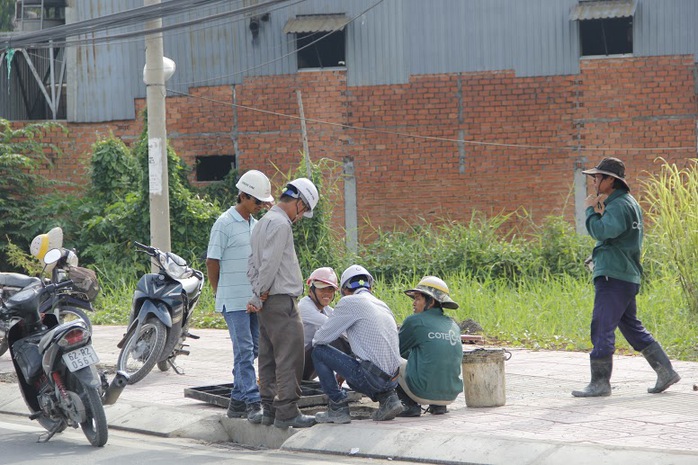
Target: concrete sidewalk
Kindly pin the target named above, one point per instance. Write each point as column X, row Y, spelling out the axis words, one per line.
column 541, row 422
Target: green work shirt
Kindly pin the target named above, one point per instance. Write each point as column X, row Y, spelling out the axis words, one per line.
column 618, row 234
column 430, row 341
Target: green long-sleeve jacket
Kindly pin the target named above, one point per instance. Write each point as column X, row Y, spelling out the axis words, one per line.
column 618, row 234
column 430, row 341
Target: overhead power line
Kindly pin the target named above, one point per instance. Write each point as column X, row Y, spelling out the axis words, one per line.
column 40, row 38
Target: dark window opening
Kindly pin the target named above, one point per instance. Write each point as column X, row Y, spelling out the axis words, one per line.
column 326, row 53
column 214, row 167
column 612, row 36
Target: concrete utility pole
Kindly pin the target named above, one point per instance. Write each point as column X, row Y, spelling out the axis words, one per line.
column 154, row 77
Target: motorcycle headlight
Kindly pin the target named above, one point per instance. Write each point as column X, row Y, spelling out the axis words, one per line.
column 175, row 266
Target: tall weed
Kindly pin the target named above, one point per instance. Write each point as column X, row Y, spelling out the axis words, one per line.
column 673, row 221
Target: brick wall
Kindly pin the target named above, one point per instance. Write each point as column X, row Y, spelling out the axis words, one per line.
column 524, row 131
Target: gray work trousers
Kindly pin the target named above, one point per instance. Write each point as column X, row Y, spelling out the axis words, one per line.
column 281, row 355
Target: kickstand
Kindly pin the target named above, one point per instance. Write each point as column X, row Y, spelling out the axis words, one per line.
column 44, row 437
column 176, row 369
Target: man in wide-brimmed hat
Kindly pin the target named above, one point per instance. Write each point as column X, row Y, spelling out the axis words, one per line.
column 430, row 341
column 614, row 219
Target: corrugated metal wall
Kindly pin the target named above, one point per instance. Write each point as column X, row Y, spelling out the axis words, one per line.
column 669, row 27
column 386, row 45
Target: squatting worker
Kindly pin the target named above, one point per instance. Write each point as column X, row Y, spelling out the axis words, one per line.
column 315, row 309
column 614, row 219
column 430, row 341
column 277, row 282
column 226, row 262
column 372, row 333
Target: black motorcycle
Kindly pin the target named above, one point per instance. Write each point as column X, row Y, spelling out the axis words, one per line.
column 55, row 364
column 71, row 304
column 161, row 309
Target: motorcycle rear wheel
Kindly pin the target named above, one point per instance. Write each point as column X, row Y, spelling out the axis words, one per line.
column 67, row 314
column 142, row 350
column 95, row 425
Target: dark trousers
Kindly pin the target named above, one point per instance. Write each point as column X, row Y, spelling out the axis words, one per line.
column 309, row 368
column 615, row 307
column 361, row 376
column 280, row 360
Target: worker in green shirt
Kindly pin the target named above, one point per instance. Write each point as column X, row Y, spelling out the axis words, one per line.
column 430, row 341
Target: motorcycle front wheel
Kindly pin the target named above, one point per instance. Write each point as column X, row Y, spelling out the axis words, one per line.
column 95, row 425
column 142, row 350
column 67, row 314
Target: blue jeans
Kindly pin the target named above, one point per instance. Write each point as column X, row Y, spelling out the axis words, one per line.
column 244, row 334
column 329, row 361
column 615, row 307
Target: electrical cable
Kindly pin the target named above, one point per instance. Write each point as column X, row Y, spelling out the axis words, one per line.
column 39, row 39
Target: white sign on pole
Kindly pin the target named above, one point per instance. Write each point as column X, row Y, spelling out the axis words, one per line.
column 155, row 166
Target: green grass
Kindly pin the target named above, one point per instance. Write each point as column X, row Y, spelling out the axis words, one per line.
column 538, row 314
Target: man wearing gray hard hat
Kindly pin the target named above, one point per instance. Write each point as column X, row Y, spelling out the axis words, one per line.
column 614, row 219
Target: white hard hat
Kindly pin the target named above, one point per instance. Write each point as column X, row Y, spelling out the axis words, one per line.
column 45, row 242
column 323, row 277
column 352, row 272
column 256, row 184
column 308, row 192
column 435, row 288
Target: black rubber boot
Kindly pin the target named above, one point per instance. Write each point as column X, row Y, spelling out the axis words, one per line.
column 659, row 361
column 600, row 385
column 336, row 413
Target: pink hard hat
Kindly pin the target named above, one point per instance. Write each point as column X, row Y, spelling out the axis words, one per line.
column 323, row 277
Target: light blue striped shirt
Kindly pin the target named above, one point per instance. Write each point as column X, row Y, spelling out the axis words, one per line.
column 230, row 245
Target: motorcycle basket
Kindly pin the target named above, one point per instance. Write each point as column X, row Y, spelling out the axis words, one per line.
column 85, row 280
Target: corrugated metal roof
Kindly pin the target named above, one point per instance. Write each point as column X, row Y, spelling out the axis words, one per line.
column 603, row 9
column 316, row 23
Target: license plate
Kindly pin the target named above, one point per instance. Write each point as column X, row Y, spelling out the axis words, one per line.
column 80, row 358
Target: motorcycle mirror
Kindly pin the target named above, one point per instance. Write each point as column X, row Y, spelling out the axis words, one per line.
column 52, row 256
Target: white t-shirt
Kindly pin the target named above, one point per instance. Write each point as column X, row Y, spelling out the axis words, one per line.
column 312, row 318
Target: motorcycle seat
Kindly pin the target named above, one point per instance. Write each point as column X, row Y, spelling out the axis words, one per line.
column 17, row 280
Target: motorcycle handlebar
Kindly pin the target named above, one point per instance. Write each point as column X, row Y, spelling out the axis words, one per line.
column 150, row 250
column 58, row 286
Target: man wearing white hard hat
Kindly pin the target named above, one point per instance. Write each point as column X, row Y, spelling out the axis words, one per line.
column 277, row 282
column 430, row 341
column 371, row 329
column 226, row 263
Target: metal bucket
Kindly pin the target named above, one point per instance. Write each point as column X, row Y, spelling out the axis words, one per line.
column 484, row 383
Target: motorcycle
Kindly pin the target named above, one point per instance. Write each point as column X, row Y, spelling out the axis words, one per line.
column 55, row 364
column 161, row 309
column 69, row 305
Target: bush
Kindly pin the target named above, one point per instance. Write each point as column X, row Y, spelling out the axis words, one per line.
column 21, row 155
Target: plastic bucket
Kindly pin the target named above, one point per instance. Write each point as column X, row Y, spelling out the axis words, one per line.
column 484, row 382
